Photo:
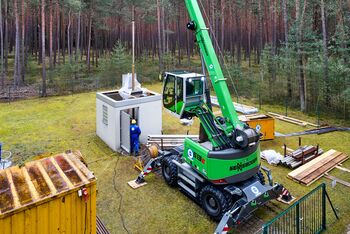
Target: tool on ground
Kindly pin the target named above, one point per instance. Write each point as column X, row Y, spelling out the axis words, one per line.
column 222, row 169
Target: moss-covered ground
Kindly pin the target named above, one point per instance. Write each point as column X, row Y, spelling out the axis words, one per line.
column 43, row 127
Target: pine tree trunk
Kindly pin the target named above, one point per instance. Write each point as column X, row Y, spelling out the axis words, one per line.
column 6, row 38
column 274, row 40
column 300, row 67
column 160, row 45
column 239, row 35
column 178, row 33
column 260, row 31
column 17, row 65
column 325, row 55
column 68, row 36
column 163, row 28
column 2, row 47
column 39, row 36
column 222, row 24
column 63, row 26
column 77, row 44
column 58, row 33
column 89, row 42
column 343, row 34
column 43, row 91
column 23, row 53
column 50, row 35
column 286, row 40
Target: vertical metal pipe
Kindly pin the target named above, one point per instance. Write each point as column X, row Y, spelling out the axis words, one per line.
column 133, row 49
column 297, row 219
column 324, row 207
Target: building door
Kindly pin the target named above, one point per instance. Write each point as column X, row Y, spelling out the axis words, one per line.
column 125, row 118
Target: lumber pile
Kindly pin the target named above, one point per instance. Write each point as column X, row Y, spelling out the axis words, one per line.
column 241, row 108
column 293, row 120
column 301, row 156
column 315, row 169
column 170, row 141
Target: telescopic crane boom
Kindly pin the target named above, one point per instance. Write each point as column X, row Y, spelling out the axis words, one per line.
column 216, row 75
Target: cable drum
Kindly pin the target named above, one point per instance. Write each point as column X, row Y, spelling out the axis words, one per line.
column 147, row 152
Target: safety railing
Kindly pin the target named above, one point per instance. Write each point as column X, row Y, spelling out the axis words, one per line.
column 307, row 215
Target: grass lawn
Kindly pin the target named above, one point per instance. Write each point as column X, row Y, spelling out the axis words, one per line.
column 43, row 127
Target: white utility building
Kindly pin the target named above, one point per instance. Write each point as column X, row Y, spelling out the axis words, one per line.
column 115, row 110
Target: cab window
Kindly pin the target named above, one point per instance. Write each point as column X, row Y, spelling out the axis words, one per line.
column 194, row 87
column 169, row 91
column 179, row 89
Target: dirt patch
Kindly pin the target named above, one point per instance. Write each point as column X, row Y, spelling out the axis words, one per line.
column 251, row 226
column 9, row 93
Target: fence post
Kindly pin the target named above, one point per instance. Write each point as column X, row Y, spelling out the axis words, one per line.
column 297, row 221
column 324, row 207
column 265, row 229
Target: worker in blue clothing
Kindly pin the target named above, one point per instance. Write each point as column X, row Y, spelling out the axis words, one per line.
column 135, row 132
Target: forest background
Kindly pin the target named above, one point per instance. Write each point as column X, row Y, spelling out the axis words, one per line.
column 293, row 53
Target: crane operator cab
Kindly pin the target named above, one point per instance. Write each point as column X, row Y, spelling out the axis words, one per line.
column 183, row 90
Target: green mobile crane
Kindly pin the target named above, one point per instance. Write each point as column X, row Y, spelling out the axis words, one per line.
column 222, row 170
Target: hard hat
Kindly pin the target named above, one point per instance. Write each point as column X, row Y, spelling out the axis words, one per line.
column 133, row 121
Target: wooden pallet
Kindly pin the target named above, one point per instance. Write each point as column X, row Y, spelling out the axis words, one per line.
column 315, row 169
column 293, row 120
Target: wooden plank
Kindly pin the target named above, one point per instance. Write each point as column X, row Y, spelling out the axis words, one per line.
column 293, row 120
column 323, row 169
column 16, row 201
column 256, row 116
column 347, row 184
column 320, row 176
column 134, row 185
column 311, row 163
column 342, row 168
column 316, row 166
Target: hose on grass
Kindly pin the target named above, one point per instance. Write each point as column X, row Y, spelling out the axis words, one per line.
column 121, row 196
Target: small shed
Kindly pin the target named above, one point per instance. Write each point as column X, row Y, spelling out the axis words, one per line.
column 50, row 195
column 114, row 113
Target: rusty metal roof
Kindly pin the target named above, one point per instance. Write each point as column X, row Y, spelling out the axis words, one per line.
column 40, row 180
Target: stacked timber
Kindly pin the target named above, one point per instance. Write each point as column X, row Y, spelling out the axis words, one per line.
column 301, row 156
column 241, row 108
column 293, row 120
column 170, row 141
column 315, row 169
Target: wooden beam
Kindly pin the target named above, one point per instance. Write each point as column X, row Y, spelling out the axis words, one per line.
column 347, row 184
column 343, row 169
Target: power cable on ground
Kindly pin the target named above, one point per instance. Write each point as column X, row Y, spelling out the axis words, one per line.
column 121, row 196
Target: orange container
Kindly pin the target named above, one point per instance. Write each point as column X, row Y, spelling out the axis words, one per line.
column 263, row 124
